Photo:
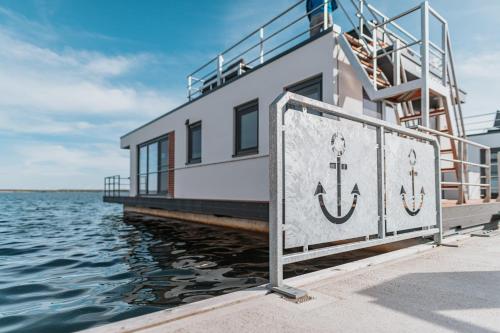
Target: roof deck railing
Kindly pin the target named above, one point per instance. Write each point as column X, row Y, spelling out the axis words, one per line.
column 256, row 45
column 116, row 186
column 430, row 50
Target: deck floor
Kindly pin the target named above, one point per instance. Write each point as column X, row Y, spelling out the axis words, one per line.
column 453, row 203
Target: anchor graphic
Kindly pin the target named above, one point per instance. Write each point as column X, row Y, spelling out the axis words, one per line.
column 414, row 210
column 338, row 147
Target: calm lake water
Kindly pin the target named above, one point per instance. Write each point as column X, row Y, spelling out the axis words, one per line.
column 68, row 262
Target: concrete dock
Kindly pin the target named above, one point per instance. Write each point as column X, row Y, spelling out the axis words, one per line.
column 418, row 289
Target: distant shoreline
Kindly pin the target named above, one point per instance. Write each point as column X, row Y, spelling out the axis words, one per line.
column 61, row 190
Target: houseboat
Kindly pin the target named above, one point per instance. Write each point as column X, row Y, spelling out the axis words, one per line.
column 207, row 160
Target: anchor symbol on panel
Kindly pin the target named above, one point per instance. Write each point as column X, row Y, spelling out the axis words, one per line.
column 338, row 148
column 413, row 210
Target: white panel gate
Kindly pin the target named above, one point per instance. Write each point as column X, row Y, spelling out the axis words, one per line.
column 341, row 177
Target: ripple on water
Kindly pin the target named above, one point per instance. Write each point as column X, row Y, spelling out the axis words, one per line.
column 88, row 265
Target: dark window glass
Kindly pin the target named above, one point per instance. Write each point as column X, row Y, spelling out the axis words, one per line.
column 163, row 175
column 247, row 128
column 143, row 189
column 152, row 183
column 311, row 88
column 143, row 160
column 163, row 155
column 194, row 143
column 153, row 166
column 163, row 182
column 153, row 157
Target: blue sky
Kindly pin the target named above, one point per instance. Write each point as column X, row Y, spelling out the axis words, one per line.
column 77, row 74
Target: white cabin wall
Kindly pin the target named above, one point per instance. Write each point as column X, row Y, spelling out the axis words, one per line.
column 219, row 175
column 350, row 88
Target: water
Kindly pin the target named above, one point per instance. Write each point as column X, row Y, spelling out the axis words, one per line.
column 69, row 262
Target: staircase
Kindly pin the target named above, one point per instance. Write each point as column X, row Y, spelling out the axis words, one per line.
column 419, row 85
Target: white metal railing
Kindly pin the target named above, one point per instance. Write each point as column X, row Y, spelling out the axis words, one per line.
column 381, row 36
column 497, row 177
column 281, row 226
column 230, row 63
column 461, row 163
column 116, row 186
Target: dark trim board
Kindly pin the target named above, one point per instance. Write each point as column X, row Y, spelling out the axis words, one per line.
column 454, row 218
column 237, row 209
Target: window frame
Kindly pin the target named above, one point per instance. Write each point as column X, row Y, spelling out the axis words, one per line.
column 158, row 141
column 306, row 83
column 190, row 127
column 238, row 112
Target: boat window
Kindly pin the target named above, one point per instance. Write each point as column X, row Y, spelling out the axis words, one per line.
column 312, row 88
column 153, row 167
column 163, row 171
column 194, row 143
column 247, row 128
column 143, row 169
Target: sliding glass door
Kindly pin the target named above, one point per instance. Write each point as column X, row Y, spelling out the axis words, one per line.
column 153, row 167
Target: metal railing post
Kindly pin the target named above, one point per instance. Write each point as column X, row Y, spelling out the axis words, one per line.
column 498, row 176
column 275, row 197
column 487, row 172
column 119, row 186
column 396, row 62
column 361, row 21
column 190, row 86
column 261, row 37
column 325, row 15
column 220, row 63
column 460, row 175
column 424, row 59
column 381, row 180
column 444, row 62
column 437, row 177
column 375, row 38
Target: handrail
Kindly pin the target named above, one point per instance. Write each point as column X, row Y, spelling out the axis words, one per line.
column 397, row 26
column 449, row 136
column 222, row 63
column 461, row 162
column 394, row 18
column 197, row 84
column 454, row 83
column 498, row 176
column 115, row 186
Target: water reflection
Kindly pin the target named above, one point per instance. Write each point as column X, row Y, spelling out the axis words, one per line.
column 69, row 262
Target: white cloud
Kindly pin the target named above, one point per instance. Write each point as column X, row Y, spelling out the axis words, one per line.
column 56, row 166
column 36, row 78
column 70, row 100
column 28, row 123
column 481, row 65
column 478, row 76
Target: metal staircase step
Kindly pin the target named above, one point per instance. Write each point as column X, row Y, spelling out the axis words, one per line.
column 446, row 151
column 369, row 66
column 380, row 81
column 352, row 40
column 433, row 113
column 448, row 170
